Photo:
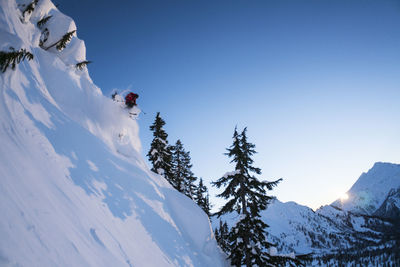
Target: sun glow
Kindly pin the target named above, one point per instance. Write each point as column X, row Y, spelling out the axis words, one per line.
column 344, row 197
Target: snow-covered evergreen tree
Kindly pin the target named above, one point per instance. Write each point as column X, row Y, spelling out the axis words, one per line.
column 221, row 235
column 81, row 65
column 13, row 57
column 62, row 43
column 160, row 152
column 183, row 177
column 29, row 8
column 202, row 197
column 43, row 21
column 247, row 196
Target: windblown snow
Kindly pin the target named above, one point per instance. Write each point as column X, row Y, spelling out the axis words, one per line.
column 74, row 190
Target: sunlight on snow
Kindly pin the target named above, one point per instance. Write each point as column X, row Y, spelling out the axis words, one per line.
column 344, row 197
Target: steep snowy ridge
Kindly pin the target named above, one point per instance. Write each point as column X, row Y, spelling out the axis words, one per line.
column 343, row 224
column 74, row 190
column 371, row 189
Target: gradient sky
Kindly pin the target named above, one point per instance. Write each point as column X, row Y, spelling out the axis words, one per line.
column 317, row 83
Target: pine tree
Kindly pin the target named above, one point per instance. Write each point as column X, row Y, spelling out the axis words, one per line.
column 13, row 58
column 182, row 175
column 221, row 235
column 30, row 8
column 43, row 21
column 81, row 65
column 62, row 43
column 247, row 196
column 216, row 235
column 202, row 197
column 160, row 152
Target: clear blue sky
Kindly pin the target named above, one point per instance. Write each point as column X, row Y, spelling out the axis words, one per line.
column 317, row 83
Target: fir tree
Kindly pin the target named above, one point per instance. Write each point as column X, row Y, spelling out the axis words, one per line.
column 62, row 43
column 13, row 58
column 247, row 196
column 43, row 21
column 64, row 40
column 202, row 197
column 221, row 235
column 160, row 152
column 182, row 175
column 81, row 65
column 30, row 8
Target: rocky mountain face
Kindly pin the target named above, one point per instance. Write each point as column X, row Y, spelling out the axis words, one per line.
column 390, row 208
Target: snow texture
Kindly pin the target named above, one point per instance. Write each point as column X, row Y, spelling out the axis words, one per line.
column 74, row 190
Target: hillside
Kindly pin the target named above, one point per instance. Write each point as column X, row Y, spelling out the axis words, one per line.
column 74, row 190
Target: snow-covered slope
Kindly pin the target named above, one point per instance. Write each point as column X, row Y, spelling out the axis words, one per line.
column 74, row 190
column 371, row 189
column 390, row 208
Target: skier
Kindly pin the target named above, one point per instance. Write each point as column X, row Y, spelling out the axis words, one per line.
column 130, row 99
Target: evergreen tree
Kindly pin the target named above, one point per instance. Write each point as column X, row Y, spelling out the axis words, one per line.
column 221, row 235
column 13, row 58
column 216, row 234
column 202, row 197
column 81, row 65
column 160, row 152
column 64, row 40
column 247, row 196
column 62, row 43
column 30, row 8
column 183, row 177
column 43, row 21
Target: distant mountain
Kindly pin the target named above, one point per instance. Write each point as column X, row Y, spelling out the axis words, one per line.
column 371, row 189
column 361, row 230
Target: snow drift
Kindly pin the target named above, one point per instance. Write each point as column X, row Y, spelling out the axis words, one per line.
column 74, row 190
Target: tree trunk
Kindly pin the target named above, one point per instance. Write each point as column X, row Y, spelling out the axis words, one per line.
column 245, row 213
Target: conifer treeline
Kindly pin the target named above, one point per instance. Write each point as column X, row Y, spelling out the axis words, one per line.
column 173, row 162
column 245, row 242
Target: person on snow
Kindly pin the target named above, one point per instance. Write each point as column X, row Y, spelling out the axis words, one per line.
column 130, row 99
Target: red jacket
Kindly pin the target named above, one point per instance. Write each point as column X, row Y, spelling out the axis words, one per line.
column 130, row 99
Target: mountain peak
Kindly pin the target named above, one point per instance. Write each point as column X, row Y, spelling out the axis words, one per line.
column 371, row 189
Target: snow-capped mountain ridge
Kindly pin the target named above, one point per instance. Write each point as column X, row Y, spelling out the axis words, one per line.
column 371, row 189
column 359, row 226
column 331, row 229
column 74, row 189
